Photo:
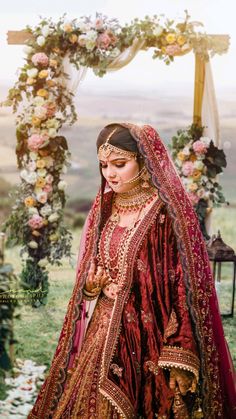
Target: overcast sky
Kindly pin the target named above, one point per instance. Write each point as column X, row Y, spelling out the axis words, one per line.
column 218, row 17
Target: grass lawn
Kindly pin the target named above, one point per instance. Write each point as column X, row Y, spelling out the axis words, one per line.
column 38, row 329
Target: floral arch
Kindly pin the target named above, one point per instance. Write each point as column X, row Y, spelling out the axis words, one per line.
column 46, row 90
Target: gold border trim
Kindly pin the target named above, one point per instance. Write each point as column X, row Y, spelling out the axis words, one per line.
column 173, row 356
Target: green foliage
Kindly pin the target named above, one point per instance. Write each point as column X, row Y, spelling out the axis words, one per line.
column 8, row 282
column 33, row 278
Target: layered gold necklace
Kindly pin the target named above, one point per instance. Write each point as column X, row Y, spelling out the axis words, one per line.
column 135, row 199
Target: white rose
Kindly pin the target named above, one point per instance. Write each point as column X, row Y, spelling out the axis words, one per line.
column 90, row 44
column 198, row 164
column 186, row 151
column 42, row 263
column 23, row 173
column 41, row 172
column 46, row 210
column 205, row 140
column 57, row 206
column 52, row 132
column 27, row 49
column 31, row 178
column 92, row 35
column 40, row 40
column 32, row 72
column 62, row 185
column 38, row 191
column 82, row 26
column 45, row 30
column 38, row 101
column 33, row 155
column 31, row 166
column 40, row 112
column 33, row 244
column 158, row 30
column 32, row 211
column 53, row 217
column 53, row 123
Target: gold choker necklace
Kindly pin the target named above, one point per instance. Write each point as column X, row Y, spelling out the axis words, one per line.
column 133, row 200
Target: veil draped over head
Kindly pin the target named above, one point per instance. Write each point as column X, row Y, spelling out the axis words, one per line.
column 216, row 372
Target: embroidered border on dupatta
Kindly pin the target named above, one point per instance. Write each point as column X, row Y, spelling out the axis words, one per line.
column 193, row 253
column 52, row 388
column 173, row 356
column 108, row 388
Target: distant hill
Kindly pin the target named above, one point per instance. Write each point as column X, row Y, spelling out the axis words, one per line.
column 96, row 109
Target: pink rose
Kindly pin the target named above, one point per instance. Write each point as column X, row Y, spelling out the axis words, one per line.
column 104, row 40
column 199, row 147
column 47, row 188
column 173, row 49
column 98, row 23
column 35, row 141
column 193, row 198
column 40, row 58
column 36, row 222
column 49, row 178
column 50, row 109
column 188, row 168
column 42, row 197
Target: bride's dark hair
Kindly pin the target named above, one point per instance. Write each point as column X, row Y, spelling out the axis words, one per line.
column 121, row 138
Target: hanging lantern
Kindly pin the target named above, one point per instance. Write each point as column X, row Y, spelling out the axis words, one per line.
column 220, row 253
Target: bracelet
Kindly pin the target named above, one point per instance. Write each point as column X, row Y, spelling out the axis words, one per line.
column 91, row 295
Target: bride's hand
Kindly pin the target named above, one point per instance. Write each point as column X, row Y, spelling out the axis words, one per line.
column 185, row 380
column 90, row 283
column 97, row 278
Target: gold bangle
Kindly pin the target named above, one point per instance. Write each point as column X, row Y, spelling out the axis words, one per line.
column 91, row 293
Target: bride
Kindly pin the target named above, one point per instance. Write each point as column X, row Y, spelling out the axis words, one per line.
column 142, row 336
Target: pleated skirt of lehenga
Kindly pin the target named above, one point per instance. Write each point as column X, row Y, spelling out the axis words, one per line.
column 81, row 397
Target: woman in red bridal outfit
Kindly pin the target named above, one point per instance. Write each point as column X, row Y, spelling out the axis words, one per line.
column 142, row 336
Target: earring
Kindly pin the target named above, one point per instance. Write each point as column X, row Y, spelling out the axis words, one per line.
column 145, row 179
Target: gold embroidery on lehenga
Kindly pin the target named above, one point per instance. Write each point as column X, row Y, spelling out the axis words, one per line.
column 81, row 398
column 146, row 317
column 152, row 367
column 141, row 266
column 130, row 317
column 172, row 326
column 116, row 370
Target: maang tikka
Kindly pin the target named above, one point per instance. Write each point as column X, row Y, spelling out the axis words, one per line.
column 106, row 149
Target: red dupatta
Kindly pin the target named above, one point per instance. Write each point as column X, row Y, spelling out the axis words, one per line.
column 216, row 373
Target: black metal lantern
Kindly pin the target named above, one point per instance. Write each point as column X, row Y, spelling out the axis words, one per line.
column 219, row 252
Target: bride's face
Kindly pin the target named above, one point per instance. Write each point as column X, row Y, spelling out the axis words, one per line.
column 118, row 169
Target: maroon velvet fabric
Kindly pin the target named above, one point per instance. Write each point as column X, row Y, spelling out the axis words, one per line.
column 157, row 290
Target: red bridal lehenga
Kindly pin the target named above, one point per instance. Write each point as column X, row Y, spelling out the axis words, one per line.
column 114, row 355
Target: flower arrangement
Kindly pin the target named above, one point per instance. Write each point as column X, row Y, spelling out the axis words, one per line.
column 36, row 221
column 198, row 162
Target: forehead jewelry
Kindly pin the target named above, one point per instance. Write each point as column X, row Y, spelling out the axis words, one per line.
column 106, row 149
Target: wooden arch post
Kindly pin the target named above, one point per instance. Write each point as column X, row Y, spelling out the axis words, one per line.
column 199, row 82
